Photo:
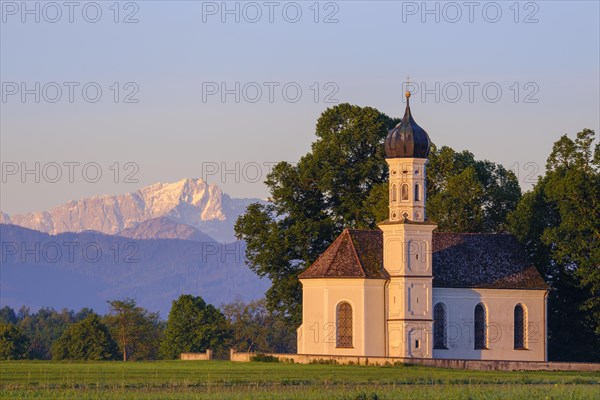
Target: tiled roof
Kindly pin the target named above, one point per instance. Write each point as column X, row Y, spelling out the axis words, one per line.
column 466, row 260
column 495, row 261
column 354, row 254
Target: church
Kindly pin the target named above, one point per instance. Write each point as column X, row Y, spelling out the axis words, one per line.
column 405, row 290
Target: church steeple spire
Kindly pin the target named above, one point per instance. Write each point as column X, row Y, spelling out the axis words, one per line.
column 407, row 114
column 407, row 139
column 406, row 149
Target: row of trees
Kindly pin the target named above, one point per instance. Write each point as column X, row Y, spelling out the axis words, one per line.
column 342, row 183
column 130, row 332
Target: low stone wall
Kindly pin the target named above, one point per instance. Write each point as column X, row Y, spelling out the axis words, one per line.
column 197, row 356
column 492, row 365
column 240, row 357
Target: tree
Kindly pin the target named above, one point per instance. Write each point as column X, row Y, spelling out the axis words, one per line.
column 342, row 183
column 14, row 344
column 469, row 195
column 45, row 326
column 8, row 315
column 311, row 202
column 256, row 329
column 88, row 339
column 457, row 207
column 193, row 326
column 136, row 331
column 559, row 223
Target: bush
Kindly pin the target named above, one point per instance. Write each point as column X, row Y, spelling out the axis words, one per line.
column 324, row 362
column 264, row 358
column 364, row 396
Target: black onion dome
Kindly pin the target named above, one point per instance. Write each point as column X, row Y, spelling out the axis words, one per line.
column 407, row 139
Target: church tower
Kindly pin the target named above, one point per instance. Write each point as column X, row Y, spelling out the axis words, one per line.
column 407, row 243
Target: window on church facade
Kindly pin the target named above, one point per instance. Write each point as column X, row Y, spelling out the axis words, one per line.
column 404, row 195
column 344, row 325
column 440, row 334
column 480, row 327
column 520, row 324
column 394, row 194
column 417, row 193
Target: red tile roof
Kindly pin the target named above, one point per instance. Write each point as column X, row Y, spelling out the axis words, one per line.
column 354, row 254
column 467, row 260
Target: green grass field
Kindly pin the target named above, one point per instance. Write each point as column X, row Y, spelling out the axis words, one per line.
column 227, row 380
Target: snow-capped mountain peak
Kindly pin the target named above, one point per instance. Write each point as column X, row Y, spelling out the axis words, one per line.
column 191, row 202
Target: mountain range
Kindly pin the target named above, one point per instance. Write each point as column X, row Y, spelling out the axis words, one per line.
column 151, row 245
column 190, row 202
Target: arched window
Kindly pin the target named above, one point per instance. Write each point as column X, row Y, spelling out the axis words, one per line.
column 404, row 195
column 417, row 193
column 440, row 317
column 344, row 325
column 394, row 194
column 520, row 324
column 480, row 327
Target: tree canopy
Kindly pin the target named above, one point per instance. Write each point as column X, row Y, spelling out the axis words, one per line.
column 342, row 183
column 45, row 326
column 14, row 344
column 8, row 315
column 469, row 195
column 135, row 330
column 256, row 329
column 88, row 339
column 559, row 222
column 193, row 326
column 314, row 200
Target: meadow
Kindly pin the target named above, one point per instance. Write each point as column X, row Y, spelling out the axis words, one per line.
column 256, row 380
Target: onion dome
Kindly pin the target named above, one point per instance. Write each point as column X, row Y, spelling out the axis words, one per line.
column 407, row 139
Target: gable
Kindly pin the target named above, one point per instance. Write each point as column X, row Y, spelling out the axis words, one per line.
column 354, row 254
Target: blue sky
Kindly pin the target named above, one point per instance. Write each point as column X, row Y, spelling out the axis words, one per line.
column 176, row 51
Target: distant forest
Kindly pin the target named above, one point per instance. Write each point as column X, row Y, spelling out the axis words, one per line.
column 129, row 332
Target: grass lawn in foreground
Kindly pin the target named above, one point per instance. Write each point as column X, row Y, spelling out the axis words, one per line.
column 228, row 380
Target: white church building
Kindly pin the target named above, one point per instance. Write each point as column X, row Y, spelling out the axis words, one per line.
column 404, row 290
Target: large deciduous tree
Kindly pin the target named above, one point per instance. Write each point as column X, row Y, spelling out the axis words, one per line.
column 342, row 183
column 312, row 201
column 193, row 326
column 469, row 195
column 559, row 223
column 88, row 339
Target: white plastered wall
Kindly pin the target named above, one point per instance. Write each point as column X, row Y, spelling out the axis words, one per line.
column 320, row 297
column 499, row 305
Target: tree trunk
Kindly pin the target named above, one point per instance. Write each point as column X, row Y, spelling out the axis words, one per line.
column 124, row 350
